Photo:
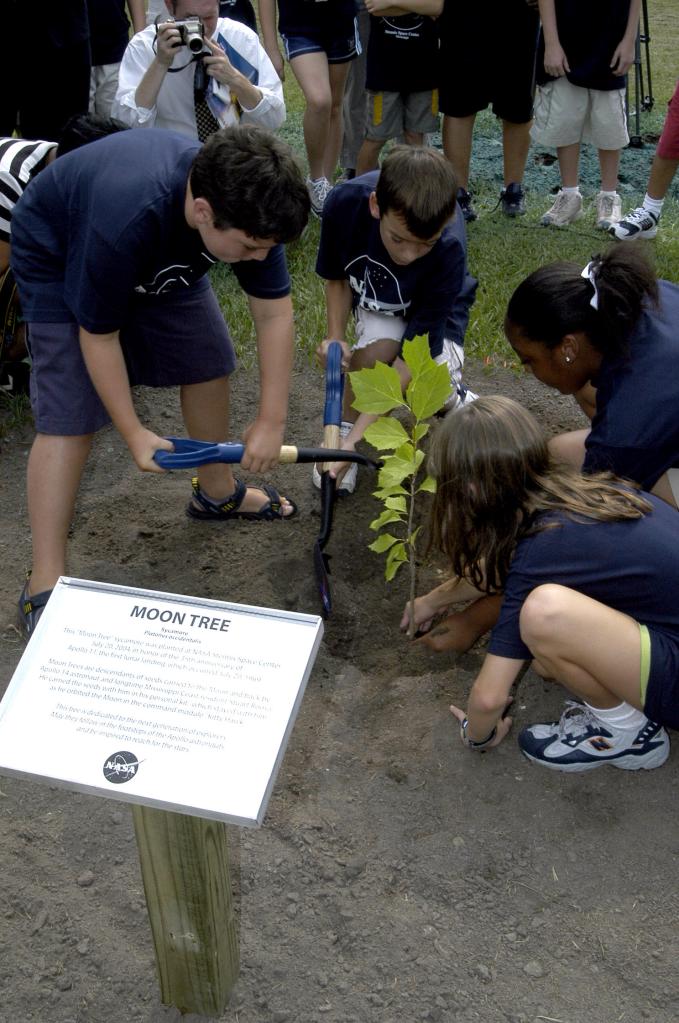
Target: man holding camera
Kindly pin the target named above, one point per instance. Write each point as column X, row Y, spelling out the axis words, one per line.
column 197, row 72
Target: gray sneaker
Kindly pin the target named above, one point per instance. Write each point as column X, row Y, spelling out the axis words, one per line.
column 608, row 211
column 639, row 223
column 567, row 208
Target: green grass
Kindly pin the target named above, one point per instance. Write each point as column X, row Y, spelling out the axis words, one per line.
column 501, row 252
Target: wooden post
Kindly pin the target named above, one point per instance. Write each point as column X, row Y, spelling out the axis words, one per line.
column 185, row 869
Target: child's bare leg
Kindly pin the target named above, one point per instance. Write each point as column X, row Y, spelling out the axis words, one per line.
column 205, row 409
column 311, row 72
column 368, row 155
column 569, row 163
column 457, row 145
column 515, row 146
column 591, row 649
column 55, row 468
column 609, row 161
column 337, row 77
column 380, row 350
column 413, row 138
column 460, row 631
column 569, row 447
column 661, row 177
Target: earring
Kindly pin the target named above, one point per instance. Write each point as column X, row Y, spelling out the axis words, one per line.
column 568, row 358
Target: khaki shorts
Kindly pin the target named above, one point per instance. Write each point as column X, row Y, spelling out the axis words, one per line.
column 566, row 114
column 371, row 327
column 391, row 113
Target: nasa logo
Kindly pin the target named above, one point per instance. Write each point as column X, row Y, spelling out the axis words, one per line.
column 120, row 767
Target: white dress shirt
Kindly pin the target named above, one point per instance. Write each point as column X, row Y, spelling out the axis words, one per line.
column 174, row 107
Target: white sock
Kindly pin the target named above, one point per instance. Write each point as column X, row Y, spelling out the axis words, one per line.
column 608, row 195
column 574, row 190
column 623, row 716
column 653, row 205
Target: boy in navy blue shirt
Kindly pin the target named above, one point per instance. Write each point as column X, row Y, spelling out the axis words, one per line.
column 401, row 76
column 110, row 248
column 393, row 250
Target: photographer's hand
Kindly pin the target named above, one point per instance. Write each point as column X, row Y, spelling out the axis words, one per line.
column 167, row 41
column 219, row 67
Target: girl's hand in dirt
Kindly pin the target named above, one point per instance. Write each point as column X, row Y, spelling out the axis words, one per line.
column 501, row 728
column 556, row 62
column 425, row 613
column 143, row 446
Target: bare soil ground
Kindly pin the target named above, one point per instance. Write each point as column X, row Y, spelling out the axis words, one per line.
column 397, row 877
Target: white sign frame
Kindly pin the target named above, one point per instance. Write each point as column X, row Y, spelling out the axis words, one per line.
column 176, row 702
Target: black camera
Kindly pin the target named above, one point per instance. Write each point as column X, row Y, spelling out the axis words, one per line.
column 192, row 33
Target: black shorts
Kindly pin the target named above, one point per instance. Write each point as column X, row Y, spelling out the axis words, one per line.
column 488, row 58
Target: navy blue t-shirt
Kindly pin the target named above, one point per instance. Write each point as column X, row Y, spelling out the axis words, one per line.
column 434, row 293
column 239, row 10
column 635, row 432
column 631, row 566
column 294, row 16
column 589, row 33
column 107, row 222
column 109, row 30
column 402, row 54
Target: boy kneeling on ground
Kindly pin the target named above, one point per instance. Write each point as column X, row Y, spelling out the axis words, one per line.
column 393, row 249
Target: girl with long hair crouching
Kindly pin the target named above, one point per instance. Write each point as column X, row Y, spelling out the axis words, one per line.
column 588, row 571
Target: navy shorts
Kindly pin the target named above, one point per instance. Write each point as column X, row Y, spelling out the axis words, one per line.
column 662, row 692
column 337, row 37
column 167, row 340
column 499, row 70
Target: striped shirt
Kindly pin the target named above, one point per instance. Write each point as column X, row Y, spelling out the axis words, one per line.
column 19, row 160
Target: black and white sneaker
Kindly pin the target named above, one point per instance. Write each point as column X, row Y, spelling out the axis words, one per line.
column 581, row 742
column 464, row 201
column 639, row 223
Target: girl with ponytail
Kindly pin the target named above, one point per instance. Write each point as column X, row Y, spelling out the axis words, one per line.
column 613, row 326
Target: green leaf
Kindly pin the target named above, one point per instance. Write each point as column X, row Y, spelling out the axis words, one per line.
column 428, row 484
column 419, row 458
column 421, row 430
column 406, row 453
column 383, row 543
column 384, row 519
column 385, row 434
column 413, row 537
column 396, row 556
column 391, row 570
column 397, row 503
column 384, row 492
column 376, row 390
column 417, row 356
column 429, row 392
column 393, row 472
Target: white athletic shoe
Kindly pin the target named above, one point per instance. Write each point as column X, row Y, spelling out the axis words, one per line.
column 639, row 223
column 318, row 192
column 580, row 741
column 347, row 484
column 567, row 208
column 608, row 210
